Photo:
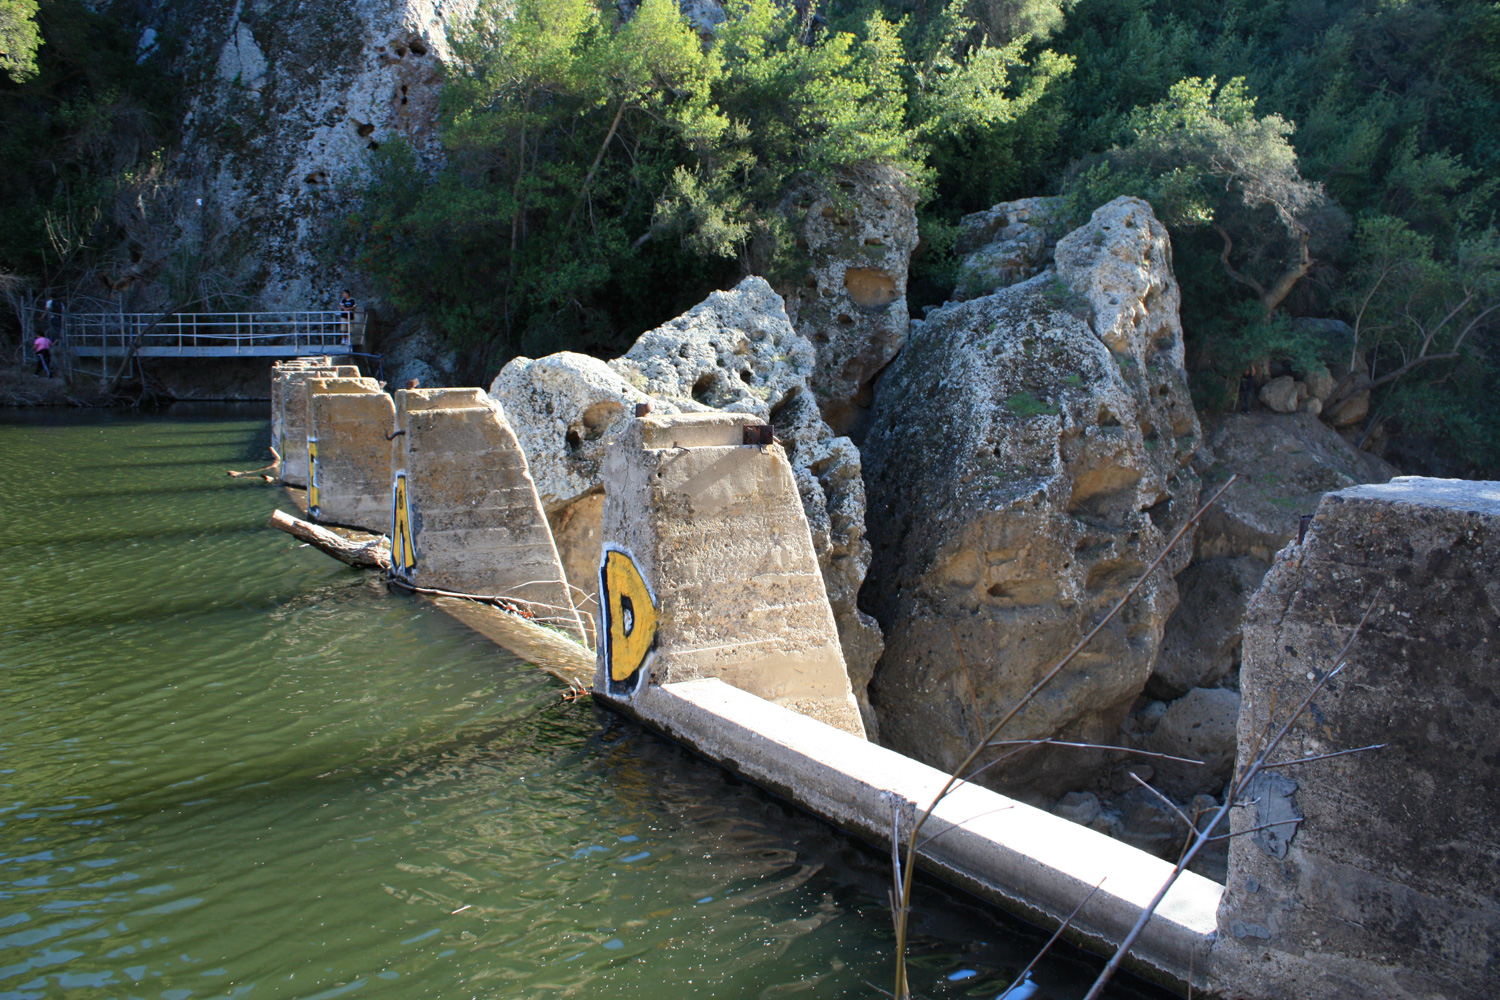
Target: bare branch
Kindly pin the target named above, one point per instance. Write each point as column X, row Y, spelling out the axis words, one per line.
column 1324, row 756
column 1052, row 940
column 1169, row 803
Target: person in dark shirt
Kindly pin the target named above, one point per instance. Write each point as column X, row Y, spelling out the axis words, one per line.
column 346, row 305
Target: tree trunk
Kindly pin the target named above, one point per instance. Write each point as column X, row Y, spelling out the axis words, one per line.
column 375, row 554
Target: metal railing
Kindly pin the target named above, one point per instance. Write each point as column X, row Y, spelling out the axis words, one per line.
column 203, row 335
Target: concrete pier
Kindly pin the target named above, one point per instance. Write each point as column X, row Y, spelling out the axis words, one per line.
column 465, row 515
column 349, row 454
column 1373, row 874
column 708, row 570
column 291, row 438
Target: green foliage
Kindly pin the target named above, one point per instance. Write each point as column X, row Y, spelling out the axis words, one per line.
column 77, row 136
column 594, row 163
column 1025, row 406
column 19, row 38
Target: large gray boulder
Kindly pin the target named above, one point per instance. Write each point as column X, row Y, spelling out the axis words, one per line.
column 1285, row 464
column 1029, row 456
column 737, row 352
column 858, row 234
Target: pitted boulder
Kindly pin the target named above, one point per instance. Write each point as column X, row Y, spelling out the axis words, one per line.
column 858, row 234
column 1029, row 457
column 735, row 352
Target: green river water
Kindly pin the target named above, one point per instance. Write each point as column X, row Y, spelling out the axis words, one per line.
column 231, row 767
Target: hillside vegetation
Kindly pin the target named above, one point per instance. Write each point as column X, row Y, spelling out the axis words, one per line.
column 1312, row 158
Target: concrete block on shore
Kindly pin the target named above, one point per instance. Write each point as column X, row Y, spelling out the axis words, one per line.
column 1373, row 874
column 290, row 433
column 465, row 513
column 709, row 571
column 349, row 455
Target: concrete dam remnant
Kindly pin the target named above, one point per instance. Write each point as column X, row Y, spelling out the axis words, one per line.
column 349, row 456
column 708, row 570
column 465, row 513
column 291, row 400
column 1381, row 880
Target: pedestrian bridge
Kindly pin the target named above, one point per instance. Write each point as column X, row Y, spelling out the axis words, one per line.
column 213, row 335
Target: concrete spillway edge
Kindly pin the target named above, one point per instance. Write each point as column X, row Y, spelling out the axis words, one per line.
column 1026, row 861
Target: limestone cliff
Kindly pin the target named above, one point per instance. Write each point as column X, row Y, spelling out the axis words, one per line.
column 285, row 100
column 1029, row 455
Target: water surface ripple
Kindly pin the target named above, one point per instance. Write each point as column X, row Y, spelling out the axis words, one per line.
column 230, row 767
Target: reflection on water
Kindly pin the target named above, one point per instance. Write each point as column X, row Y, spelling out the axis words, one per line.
column 231, row 767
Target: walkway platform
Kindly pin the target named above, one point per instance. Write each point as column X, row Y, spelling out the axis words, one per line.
column 213, row 335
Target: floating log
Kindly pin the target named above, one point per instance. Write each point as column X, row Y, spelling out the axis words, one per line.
column 373, row 554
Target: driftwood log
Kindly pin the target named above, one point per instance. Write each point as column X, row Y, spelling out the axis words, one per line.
column 373, row 554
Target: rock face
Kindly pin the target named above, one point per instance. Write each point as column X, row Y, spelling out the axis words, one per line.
column 1201, row 645
column 290, row 97
column 1030, row 455
column 1006, row 244
column 857, row 241
column 1382, row 882
column 736, row 352
column 1285, row 464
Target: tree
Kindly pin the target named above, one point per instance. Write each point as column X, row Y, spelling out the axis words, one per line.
column 1412, row 308
column 19, row 38
column 1203, row 158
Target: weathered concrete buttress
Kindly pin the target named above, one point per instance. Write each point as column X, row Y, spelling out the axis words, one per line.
column 1373, row 874
column 349, row 456
column 290, row 440
column 708, row 570
column 465, row 513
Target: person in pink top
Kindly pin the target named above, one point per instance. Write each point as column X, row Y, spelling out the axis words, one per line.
column 43, row 347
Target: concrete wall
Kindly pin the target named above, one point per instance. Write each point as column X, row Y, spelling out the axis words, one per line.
column 705, row 540
column 466, row 517
column 350, row 457
column 1389, row 886
column 279, row 369
column 291, row 437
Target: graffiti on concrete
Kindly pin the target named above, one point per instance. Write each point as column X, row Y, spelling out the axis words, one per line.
column 403, row 549
column 312, row 476
column 628, row 637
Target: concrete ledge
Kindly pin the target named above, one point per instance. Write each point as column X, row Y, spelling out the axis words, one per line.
column 1026, row 861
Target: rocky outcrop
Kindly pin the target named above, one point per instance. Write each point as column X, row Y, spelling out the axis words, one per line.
column 1285, row 465
column 1005, row 244
column 735, row 352
column 1029, row 456
column 1201, row 645
column 286, row 99
column 857, row 239
column 414, row 351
